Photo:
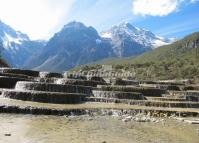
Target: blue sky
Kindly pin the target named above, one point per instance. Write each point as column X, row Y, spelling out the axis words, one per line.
column 101, row 14
column 40, row 19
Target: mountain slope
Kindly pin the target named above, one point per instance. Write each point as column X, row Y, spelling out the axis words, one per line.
column 182, row 49
column 75, row 44
column 3, row 63
column 16, row 47
column 177, row 60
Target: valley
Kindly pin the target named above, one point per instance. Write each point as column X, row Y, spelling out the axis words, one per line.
column 94, row 71
column 71, row 46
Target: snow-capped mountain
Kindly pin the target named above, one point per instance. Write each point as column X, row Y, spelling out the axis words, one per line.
column 78, row 44
column 74, row 45
column 16, row 47
column 10, row 38
column 131, row 38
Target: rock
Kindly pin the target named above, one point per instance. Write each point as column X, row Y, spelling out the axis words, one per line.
column 10, row 82
column 117, row 94
column 149, row 114
column 165, row 115
column 162, row 120
column 143, row 119
column 197, row 131
column 192, row 121
column 44, row 97
column 125, row 120
column 109, row 113
column 153, row 120
column 180, row 119
column 90, row 119
column 20, row 72
column 66, row 116
column 7, row 134
column 148, row 119
column 50, row 75
column 49, row 87
column 128, row 117
column 137, row 119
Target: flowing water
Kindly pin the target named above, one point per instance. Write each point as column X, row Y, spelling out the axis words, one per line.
column 85, row 129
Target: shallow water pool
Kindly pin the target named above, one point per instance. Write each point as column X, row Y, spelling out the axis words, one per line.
column 84, row 129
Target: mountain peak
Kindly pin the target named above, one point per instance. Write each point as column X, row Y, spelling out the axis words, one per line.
column 7, row 31
column 77, row 29
column 127, row 32
column 74, row 24
column 128, row 26
column 16, row 46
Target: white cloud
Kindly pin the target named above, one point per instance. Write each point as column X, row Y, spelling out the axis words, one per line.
column 155, row 7
column 37, row 18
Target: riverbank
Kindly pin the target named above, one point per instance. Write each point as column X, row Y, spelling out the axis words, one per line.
column 93, row 129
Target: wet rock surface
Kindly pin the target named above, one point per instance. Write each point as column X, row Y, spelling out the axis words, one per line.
column 147, row 91
column 45, row 97
column 50, row 75
column 80, row 82
column 150, row 103
column 49, row 87
column 19, row 71
column 10, row 82
column 118, row 94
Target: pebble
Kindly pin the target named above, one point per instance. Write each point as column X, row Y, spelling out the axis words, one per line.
column 125, row 120
column 90, row 119
column 129, row 117
column 197, row 131
column 8, row 134
column 153, row 119
column 179, row 119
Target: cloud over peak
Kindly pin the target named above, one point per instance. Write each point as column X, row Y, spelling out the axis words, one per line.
column 37, row 18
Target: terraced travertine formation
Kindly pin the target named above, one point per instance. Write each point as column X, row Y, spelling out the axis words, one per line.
column 33, row 92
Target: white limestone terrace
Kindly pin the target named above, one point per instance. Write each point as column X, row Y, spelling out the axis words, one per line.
column 28, row 94
column 49, row 87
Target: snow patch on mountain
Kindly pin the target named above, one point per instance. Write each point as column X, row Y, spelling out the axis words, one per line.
column 142, row 36
column 106, row 35
column 15, row 46
column 9, row 41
